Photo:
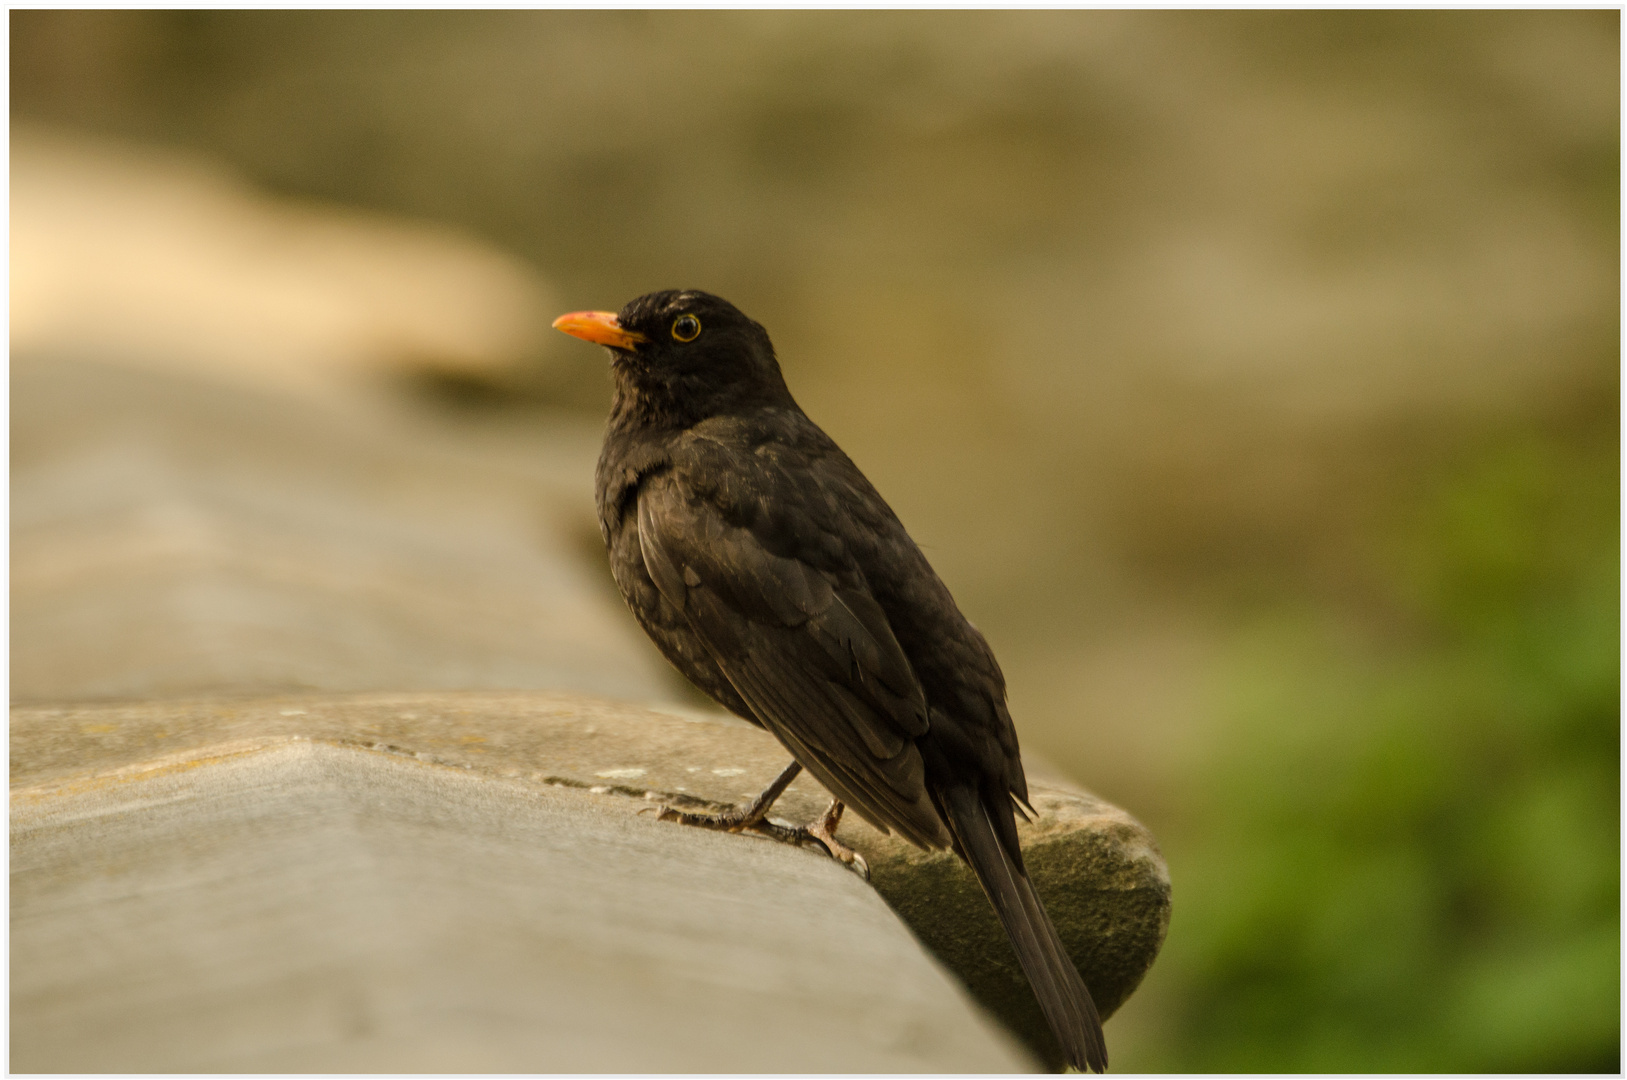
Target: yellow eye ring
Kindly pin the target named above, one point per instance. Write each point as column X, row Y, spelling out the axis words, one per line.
column 686, row 328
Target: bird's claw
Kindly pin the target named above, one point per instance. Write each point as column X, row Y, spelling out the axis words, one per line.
column 843, row 854
column 824, row 831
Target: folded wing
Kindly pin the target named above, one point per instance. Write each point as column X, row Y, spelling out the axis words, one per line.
column 810, row 652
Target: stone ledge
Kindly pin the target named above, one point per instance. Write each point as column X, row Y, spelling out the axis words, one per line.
column 176, row 539
column 1098, row 870
column 297, row 906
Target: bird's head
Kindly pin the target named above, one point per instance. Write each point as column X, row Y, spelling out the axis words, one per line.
column 684, row 355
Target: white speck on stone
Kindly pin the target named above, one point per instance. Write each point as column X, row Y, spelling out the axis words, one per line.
column 620, row 774
column 600, row 789
column 692, row 768
column 728, row 772
column 590, row 730
column 292, row 712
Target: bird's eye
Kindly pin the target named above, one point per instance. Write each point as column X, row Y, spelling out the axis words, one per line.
column 686, row 328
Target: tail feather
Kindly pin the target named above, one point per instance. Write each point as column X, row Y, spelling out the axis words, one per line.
column 1062, row 994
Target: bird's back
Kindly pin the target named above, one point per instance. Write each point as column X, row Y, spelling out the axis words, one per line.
column 778, row 475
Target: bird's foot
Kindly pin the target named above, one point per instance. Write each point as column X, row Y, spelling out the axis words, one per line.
column 738, row 819
column 754, row 815
column 824, row 831
column 734, row 819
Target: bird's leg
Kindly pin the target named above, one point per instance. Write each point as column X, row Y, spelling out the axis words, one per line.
column 824, row 830
column 753, row 817
column 738, row 817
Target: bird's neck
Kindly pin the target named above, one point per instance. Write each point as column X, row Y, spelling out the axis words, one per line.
column 641, row 404
column 635, row 409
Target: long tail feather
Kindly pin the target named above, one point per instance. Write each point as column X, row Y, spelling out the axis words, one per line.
column 1062, row 994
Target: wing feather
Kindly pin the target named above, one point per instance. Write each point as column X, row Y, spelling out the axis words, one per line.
column 814, row 659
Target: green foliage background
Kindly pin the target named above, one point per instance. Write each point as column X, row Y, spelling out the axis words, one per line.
column 1405, row 858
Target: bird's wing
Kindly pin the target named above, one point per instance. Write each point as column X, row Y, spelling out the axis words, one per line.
column 814, row 657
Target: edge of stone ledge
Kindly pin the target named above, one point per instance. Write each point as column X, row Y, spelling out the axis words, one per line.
column 1113, row 927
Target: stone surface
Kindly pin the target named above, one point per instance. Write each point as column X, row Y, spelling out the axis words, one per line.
column 173, row 537
column 1097, row 870
column 304, row 906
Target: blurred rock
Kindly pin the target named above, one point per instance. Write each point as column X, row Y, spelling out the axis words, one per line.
column 169, row 261
column 1098, row 870
column 174, row 537
column 305, row 906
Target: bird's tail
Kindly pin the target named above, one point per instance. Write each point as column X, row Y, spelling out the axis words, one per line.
column 1062, row 994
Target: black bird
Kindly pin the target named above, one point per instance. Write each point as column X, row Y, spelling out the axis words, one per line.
column 774, row 576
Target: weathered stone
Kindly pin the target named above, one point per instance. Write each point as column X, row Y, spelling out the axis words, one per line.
column 1097, row 870
column 175, row 538
column 298, row 905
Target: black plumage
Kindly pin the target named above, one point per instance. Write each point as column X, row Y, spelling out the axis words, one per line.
column 773, row 575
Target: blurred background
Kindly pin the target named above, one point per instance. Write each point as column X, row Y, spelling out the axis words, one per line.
column 1251, row 378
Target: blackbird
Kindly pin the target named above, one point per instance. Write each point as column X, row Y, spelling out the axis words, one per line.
column 772, row 574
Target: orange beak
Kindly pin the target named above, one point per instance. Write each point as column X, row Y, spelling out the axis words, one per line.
column 599, row 327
